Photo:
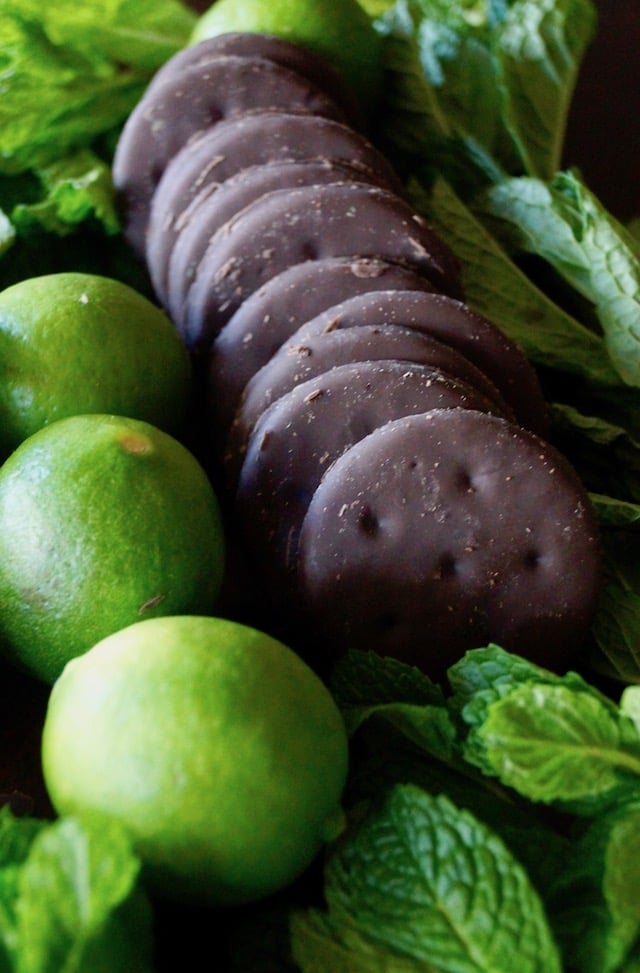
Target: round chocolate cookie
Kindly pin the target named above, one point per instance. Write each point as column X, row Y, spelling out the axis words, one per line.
column 176, row 110
column 290, row 55
column 249, row 139
column 304, row 432
column 452, row 322
column 310, row 353
column 202, row 219
column 446, row 531
column 287, row 227
column 276, row 310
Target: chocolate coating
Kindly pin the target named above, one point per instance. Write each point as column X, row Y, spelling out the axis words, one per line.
column 244, row 140
column 455, row 324
column 276, row 310
column 445, row 531
column 284, row 52
column 172, row 112
column 204, row 217
column 306, row 430
column 290, row 226
column 312, row 352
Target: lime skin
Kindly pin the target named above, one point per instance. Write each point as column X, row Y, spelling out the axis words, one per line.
column 218, row 748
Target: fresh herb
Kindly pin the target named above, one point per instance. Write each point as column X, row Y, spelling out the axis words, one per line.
column 70, row 898
column 516, row 844
column 70, row 76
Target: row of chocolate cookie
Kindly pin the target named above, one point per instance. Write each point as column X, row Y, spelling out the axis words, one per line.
column 330, row 319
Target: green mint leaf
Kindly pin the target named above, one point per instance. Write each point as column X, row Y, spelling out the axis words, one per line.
column 491, row 672
column 498, row 289
column 500, row 78
column 616, row 632
column 74, row 189
column 70, row 73
column 366, row 679
column 368, row 687
column 541, row 45
column 430, row 882
column 144, row 33
column 79, row 906
column 607, row 456
column 558, row 746
column 595, row 906
column 564, row 223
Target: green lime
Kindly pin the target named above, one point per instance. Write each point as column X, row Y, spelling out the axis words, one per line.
column 73, row 343
column 103, row 521
column 219, row 749
column 340, row 30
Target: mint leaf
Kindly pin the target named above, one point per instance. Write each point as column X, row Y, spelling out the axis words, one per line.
column 558, row 746
column 74, row 189
column 78, row 905
column 616, row 631
column 541, row 44
column 366, row 678
column 595, row 906
column 144, row 33
column 431, row 883
column 369, row 687
column 500, row 78
column 564, row 223
column 70, row 73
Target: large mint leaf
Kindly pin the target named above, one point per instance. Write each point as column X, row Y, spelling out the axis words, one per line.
column 562, row 222
column 554, row 745
column 432, row 883
column 540, row 47
column 71, row 71
column 144, row 33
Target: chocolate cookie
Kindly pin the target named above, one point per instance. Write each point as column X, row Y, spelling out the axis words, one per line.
column 276, row 310
column 455, row 324
column 310, row 353
column 290, row 226
column 174, row 111
column 203, row 218
column 249, row 139
column 304, row 432
column 286, row 53
column 445, row 531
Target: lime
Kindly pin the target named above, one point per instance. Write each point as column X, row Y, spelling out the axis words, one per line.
column 219, row 749
column 73, row 343
column 103, row 521
column 339, row 30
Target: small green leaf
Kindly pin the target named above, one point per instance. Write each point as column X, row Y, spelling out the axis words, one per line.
column 432, row 883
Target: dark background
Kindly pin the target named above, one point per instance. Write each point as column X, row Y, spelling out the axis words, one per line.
column 603, row 133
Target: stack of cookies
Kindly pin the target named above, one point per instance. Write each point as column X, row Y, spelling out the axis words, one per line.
column 384, row 447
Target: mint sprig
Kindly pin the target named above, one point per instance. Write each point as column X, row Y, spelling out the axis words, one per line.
column 427, row 882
